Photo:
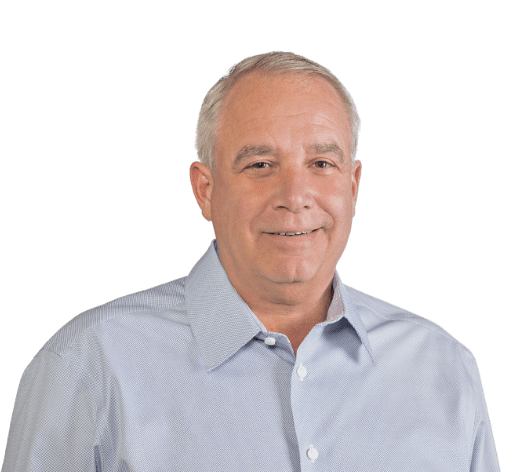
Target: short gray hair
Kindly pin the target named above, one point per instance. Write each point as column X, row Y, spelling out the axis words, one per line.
column 269, row 63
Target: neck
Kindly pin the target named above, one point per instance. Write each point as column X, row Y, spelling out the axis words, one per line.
column 292, row 309
column 289, row 301
column 297, row 320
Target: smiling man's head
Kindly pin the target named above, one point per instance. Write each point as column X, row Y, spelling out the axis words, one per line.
column 283, row 191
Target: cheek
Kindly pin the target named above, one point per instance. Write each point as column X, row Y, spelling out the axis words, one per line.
column 223, row 207
column 250, row 212
column 340, row 205
column 236, row 209
column 341, row 212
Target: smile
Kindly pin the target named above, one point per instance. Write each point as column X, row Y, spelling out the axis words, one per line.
column 294, row 234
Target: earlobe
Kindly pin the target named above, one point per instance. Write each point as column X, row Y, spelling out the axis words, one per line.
column 202, row 183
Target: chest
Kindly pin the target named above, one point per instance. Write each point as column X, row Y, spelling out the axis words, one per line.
column 262, row 412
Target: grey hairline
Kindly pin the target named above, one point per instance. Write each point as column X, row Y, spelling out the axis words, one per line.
column 274, row 63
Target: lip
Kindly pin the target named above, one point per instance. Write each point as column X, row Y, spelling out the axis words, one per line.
column 292, row 233
column 293, row 246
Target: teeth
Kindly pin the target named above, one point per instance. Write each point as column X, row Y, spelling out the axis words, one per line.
column 294, row 234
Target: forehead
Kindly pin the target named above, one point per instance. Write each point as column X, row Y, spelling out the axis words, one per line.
column 260, row 103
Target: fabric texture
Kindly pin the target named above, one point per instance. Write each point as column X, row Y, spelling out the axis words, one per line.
column 184, row 377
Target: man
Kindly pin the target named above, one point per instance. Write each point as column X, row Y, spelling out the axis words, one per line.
column 261, row 359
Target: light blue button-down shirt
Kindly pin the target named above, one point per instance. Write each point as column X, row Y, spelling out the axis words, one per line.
column 184, row 377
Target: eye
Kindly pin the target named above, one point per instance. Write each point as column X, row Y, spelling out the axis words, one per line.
column 259, row 165
column 322, row 164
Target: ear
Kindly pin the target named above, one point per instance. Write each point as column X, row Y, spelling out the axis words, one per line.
column 202, row 183
column 356, row 174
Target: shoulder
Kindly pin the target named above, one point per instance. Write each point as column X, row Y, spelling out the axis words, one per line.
column 166, row 300
column 388, row 323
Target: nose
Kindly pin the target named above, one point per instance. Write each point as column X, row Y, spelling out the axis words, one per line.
column 293, row 190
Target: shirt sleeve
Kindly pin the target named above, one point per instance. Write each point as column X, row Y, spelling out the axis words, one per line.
column 53, row 422
column 484, row 455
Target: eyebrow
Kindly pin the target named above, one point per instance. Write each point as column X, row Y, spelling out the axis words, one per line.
column 250, row 151
column 325, row 148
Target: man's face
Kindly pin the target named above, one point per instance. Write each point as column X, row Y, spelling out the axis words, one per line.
column 282, row 166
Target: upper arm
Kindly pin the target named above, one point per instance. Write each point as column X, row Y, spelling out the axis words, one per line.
column 53, row 423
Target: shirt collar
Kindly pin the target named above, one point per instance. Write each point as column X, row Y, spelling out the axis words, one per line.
column 350, row 312
column 222, row 322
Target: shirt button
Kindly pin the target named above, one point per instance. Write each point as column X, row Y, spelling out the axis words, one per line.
column 270, row 341
column 312, row 453
column 302, row 372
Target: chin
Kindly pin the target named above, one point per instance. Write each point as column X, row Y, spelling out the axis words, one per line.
column 287, row 279
column 286, row 273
